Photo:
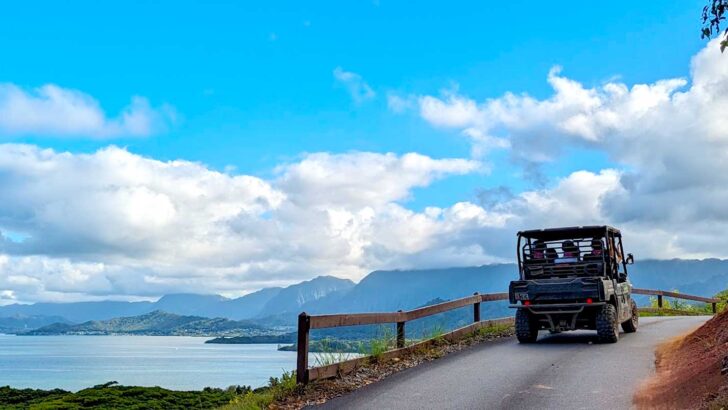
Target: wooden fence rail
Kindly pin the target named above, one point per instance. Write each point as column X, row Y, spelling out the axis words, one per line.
column 307, row 322
column 662, row 293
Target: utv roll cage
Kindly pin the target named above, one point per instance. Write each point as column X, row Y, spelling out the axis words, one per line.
column 573, row 251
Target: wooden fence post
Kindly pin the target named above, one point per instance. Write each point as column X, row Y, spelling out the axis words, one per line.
column 400, row 333
column 476, row 310
column 659, row 301
column 304, row 325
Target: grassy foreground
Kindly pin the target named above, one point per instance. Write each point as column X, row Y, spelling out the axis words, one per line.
column 112, row 396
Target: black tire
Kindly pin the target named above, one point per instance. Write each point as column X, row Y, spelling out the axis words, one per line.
column 526, row 327
column 607, row 324
column 630, row 326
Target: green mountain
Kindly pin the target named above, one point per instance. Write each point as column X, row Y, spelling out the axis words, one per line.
column 157, row 323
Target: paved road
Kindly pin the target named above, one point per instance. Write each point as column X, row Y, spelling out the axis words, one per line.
column 565, row 371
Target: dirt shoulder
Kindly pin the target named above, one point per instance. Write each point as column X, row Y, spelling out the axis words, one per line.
column 689, row 371
column 323, row 390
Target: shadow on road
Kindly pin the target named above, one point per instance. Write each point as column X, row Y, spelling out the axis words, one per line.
column 571, row 338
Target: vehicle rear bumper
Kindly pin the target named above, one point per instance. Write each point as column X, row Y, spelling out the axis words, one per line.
column 562, row 316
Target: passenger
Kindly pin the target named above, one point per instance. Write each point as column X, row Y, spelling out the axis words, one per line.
column 551, row 255
column 597, row 250
column 569, row 249
column 539, row 248
column 597, row 247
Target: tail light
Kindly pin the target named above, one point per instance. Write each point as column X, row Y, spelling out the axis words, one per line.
column 526, row 303
column 589, row 301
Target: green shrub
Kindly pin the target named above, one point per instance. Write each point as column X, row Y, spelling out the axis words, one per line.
column 111, row 396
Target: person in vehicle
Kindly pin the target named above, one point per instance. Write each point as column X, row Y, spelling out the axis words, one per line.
column 551, row 255
column 597, row 249
column 539, row 250
column 570, row 250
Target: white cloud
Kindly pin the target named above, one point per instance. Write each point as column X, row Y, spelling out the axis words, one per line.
column 364, row 179
column 144, row 227
column 51, row 110
column 669, row 140
column 359, row 90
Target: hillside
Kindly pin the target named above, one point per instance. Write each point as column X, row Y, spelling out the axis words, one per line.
column 289, row 301
column 20, row 323
column 407, row 289
column 692, row 371
column 79, row 311
column 155, row 323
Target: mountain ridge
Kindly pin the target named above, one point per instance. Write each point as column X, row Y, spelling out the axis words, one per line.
column 156, row 323
column 382, row 290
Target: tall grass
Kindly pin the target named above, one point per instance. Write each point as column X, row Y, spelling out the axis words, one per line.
column 436, row 332
column 383, row 342
column 277, row 389
column 328, row 354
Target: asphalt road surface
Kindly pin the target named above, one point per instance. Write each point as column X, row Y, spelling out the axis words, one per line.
column 564, row 371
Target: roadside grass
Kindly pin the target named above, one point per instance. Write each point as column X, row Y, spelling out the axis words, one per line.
column 258, row 399
column 677, row 307
column 380, row 344
column 496, row 330
column 329, row 354
column 436, row 335
column 673, row 313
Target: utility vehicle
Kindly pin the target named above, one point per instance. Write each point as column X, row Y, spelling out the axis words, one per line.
column 573, row 278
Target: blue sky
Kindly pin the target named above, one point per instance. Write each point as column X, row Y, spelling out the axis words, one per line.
column 252, row 81
column 220, row 147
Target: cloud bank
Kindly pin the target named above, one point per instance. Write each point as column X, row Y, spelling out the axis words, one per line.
column 116, row 223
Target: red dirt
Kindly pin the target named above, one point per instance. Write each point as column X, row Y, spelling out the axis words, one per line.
column 689, row 371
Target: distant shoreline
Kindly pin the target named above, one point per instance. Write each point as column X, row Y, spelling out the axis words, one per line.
column 259, row 339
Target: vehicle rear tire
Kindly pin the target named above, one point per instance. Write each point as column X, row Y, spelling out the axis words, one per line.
column 630, row 326
column 607, row 324
column 526, row 327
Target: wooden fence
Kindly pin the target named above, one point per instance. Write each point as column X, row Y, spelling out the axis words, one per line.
column 662, row 293
column 307, row 322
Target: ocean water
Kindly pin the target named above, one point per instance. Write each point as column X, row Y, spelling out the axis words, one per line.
column 173, row 362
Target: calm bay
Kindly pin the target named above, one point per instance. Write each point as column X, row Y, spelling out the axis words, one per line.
column 173, row 362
